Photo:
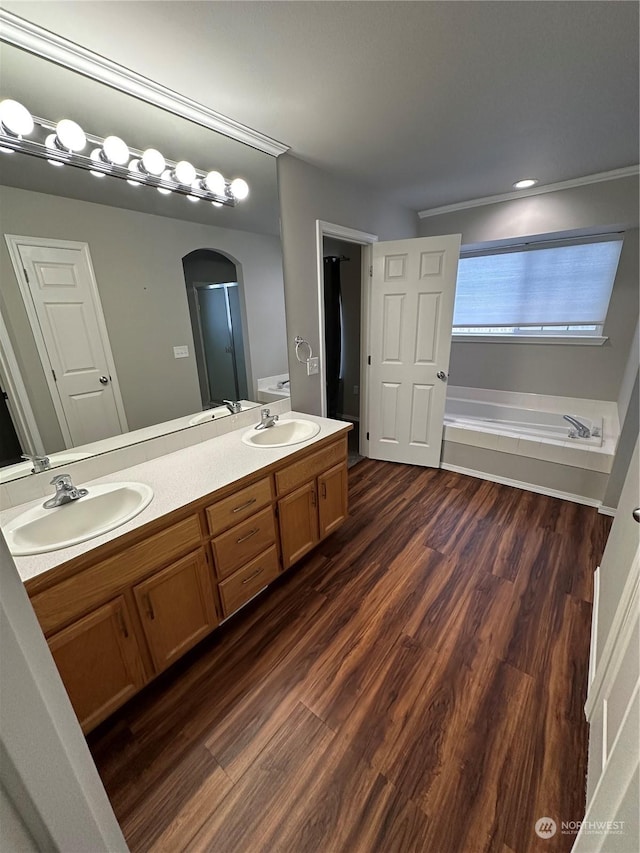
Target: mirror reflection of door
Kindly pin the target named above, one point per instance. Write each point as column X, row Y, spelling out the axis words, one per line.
column 213, row 294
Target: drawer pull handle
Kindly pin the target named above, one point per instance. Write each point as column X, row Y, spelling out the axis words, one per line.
column 251, row 577
column 324, row 490
column 122, row 624
column 244, row 506
column 248, row 536
column 150, row 612
column 314, row 498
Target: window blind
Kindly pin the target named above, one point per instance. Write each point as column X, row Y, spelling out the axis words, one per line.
column 553, row 285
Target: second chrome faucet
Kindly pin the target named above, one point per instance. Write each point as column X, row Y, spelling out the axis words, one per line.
column 266, row 419
column 65, row 491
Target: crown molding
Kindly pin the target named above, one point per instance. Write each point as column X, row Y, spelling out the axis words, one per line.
column 34, row 39
column 614, row 174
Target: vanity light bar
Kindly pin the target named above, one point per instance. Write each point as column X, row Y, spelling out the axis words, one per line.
column 66, row 144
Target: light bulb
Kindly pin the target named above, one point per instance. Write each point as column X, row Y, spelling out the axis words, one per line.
column 95, row 156
column 184, row 173
column 15, row 119
column 133, row 170
column 215, row 183
column 50, row 142
column 525, row 183
column 153, row 162
column 114, row 150
column 239, row 188
column 195, row 185
column 166, row 176
column 70, row 136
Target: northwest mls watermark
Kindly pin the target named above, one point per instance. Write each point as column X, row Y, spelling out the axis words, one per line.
column 546, row 827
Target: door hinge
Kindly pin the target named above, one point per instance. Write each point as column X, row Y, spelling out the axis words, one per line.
column 368, row 359
column 26, row 274
column 55, row 378
column 370, row 272
column 5, row 396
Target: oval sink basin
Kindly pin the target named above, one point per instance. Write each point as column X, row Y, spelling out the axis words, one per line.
column 283, row 433
column 105, row 507
column 209, row 415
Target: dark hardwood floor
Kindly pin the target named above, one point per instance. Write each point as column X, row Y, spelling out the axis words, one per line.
column 416, row 684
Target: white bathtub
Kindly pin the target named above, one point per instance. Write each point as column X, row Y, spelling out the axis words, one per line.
column 513, row 420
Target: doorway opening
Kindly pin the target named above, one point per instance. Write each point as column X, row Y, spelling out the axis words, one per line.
column 344, row 266
column 215, row 307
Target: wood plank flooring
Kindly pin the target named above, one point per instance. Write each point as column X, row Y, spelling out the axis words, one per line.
column 416, row 684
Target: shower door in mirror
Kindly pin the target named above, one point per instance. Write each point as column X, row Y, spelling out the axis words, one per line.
column 220, row 329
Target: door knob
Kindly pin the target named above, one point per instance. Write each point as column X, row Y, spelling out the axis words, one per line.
column 636, row 514
column 104, row 380
column 442, row 375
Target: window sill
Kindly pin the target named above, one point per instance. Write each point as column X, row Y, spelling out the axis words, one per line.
column 571, row 340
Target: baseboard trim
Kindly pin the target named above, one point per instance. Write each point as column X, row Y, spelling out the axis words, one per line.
column 607, row 510
column 519, row 484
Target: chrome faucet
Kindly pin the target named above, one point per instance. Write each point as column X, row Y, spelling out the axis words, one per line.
column 582, row 430
column 65, row 491
column 266, row 419
column 40, row 463
column 234, row 408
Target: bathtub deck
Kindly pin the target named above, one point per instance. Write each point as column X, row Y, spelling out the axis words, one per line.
column 416, row 684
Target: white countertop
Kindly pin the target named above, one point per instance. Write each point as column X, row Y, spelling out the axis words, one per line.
column 177, row 479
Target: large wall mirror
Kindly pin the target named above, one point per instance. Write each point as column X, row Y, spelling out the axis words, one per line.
column 167, row 271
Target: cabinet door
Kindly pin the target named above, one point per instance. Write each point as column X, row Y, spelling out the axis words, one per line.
column 99, row 661
column 332, row 499
column 177, row 608
column 298, row 515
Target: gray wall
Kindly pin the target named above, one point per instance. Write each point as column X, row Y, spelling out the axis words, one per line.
column 571, row 371
column 46, row 768
column 137, row 259
column 629, row 414
column 306, row 195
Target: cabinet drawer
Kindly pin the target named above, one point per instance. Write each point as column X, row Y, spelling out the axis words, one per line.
column 237, row 507
column 233, row 548
column 247, row 581
column 306, row 469
column 80, row 593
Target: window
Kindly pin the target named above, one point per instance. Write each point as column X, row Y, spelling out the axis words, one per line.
column 557, row 289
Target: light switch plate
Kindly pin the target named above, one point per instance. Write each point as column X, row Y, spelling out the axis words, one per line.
column 313, row 366
column 181, row 352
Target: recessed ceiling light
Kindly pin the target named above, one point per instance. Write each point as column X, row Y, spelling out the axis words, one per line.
column 525, row 183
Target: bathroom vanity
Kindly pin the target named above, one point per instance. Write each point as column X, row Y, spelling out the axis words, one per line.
column 116, row 613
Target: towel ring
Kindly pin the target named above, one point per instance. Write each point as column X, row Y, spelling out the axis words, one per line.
column 299, row 343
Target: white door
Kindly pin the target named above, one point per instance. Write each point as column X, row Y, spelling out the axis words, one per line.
column 412, row 296
column 61, row 297
column 613, row 699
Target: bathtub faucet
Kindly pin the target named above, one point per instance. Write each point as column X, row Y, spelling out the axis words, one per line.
column 582, row 430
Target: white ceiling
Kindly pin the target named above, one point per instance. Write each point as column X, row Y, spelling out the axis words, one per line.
column 431, row 103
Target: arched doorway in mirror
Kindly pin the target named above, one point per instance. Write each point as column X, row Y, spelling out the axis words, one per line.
column 216, row 308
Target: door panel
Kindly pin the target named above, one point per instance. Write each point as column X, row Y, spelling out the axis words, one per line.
column 412, row 299
column 177, row 608
column 298, row 515
column 99, row 662
column 66, row 311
